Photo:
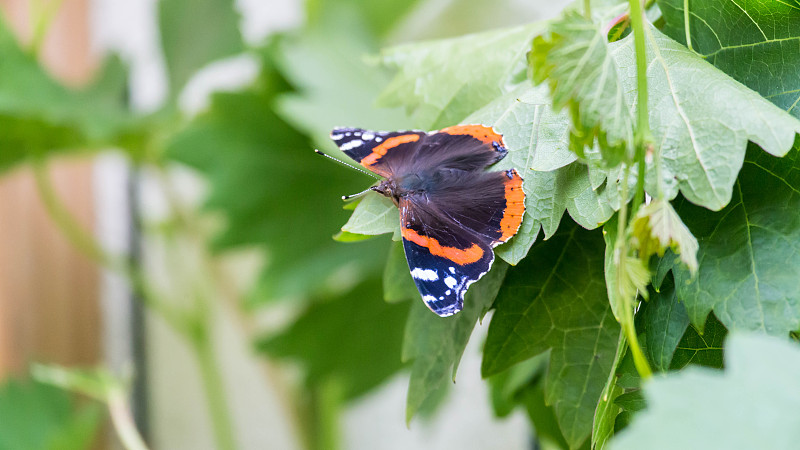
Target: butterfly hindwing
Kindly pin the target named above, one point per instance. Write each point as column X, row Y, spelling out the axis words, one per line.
column 441, row 281
column 444, row 258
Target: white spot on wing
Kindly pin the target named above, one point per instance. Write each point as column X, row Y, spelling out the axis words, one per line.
column 452, row 270
column 428, row 298
column 367, row 136
column 337, row 137
column 351, row 145
column 378, row 139
column 424, row 274
column 448, row 292
column 450, row 282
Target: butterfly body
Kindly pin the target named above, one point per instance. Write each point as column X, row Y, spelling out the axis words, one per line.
column 452, row 211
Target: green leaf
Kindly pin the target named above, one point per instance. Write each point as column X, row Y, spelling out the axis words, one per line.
column 397, row 282
column 442, row 82
column 507, row 387
column 752, row 404
column 436, row 344
column 353, row 339
column 749, row 254
column 544, row 419
column 266, row 180
column 195, row 33
column 554, row 182
column 664, row 322
column 375, row 214
column 701, row 349
column 755, row 42
column 38, row 115
column 328, row 66
column 658, row 227
column 701, row 121
column 574, row 58
column 630, row 284
column 631, row 401
column 380, row 17
column 36, row 416
column 555, row 300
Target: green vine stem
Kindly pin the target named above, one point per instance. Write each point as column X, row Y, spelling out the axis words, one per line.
column 184, row 322
column 642, row 139
column 213, row 385
column 123, row 421
column 86, row 244
column 186, row 220
column 626, row 306
column 686, row 24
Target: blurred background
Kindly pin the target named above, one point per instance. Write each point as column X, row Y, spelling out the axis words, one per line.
column 168, row 230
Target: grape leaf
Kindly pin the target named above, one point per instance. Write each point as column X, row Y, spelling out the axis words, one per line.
column 752, row 404
column 657, row 227
column 39, row 115
column 353, row 339
column 436, row 344
column 442, row 82
column 36, row 416
column 375, row 214
column 701, row 349
column 507, row 386
column 380, row 17
column 701, row 122
column 749, row 272
column 574, row 58
column 266, row 180
column 555, row 299
column 664, row 322
column 397, row 282
column 753, row 41
column 345, row 95
column 195, row 33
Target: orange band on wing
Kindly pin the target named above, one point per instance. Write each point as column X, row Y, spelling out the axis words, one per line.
column 515, row 207
column 384, row 147
column 457, row 255
column 480, row 132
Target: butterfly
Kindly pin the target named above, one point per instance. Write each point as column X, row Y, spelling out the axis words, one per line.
column 452, row 211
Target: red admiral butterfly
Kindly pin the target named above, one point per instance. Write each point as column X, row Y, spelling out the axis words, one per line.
column 452, row 212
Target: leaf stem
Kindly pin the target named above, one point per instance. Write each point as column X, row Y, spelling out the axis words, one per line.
column 621, row 256
column 686, row 24
column 214, row 387
column 123, row 421
column 88, row 245
column 587, row 9
column 642, row 114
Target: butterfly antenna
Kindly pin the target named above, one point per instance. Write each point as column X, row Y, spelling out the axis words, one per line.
column 348, row 165
column 354, row 196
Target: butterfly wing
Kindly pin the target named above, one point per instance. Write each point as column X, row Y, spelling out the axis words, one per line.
column 462, row 147
column 444, row 259
column 449, row 232
column 374, row 149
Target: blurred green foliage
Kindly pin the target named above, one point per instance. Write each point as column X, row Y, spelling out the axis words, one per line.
column 358, row 319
